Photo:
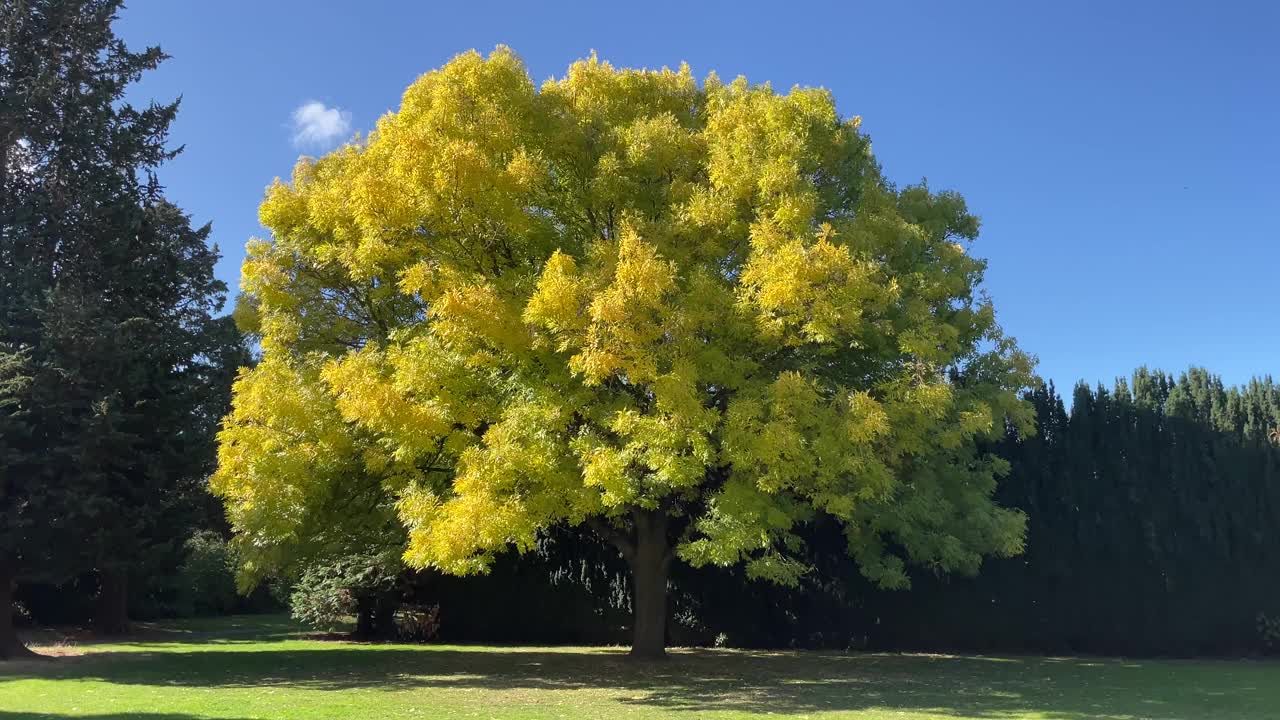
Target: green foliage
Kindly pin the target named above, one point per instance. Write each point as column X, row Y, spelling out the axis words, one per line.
column 1269, row 631
column 322, row 600
column 206, row 577
column 1154, row 527
column 330, row 593
column 114, row 369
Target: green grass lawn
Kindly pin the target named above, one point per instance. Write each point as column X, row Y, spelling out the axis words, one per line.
column 260, row 668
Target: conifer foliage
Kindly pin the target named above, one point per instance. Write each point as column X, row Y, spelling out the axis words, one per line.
column 1154, row 527
column 109, row 350
column 690, row 316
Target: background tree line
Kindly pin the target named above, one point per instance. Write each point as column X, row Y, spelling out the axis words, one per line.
column 1153, row 528
column 1153, row 509
column 1152, row 506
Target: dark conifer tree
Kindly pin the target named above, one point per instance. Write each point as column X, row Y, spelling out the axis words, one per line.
column 107, row 337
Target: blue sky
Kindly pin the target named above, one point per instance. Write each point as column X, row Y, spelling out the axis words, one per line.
column 1124, row 157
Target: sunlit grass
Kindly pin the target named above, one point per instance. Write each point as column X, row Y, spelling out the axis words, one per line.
column 260, row 667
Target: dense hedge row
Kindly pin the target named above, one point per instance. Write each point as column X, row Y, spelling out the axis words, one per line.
column 1153, row 528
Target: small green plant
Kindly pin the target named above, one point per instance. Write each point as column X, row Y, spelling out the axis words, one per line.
column 1269, row 630
column 21, row 615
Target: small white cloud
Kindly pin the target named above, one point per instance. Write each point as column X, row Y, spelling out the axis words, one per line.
column 314, row 124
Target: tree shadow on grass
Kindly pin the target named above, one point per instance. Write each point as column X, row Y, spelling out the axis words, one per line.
column 202, row 631
column 698, row 681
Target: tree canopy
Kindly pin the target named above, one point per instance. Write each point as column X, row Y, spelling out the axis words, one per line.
column 690, row 315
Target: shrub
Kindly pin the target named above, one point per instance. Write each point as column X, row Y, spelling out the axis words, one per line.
column 206, row 577
column 1269, row 630
column 418, row 623
column 321, row 599
column 330, row 592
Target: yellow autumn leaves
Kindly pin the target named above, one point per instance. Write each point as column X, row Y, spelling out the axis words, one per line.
column 516, row 306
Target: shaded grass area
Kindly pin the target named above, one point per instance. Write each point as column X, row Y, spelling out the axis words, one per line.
column 241, row 668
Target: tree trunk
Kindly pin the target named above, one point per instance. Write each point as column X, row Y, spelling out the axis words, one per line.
column 650, row 560
column 384, row 617
column 365, row 607
column 11, row 648
column 111, row 614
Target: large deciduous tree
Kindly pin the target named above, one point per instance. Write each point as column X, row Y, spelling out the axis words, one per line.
column 688, row 315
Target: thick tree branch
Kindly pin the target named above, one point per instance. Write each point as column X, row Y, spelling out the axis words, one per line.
column 615, row 537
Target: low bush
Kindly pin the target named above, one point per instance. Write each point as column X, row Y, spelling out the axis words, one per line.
column 418, row 623
column 206, row 580
column 365, row 585
column 321, row 599
column 1269, row 630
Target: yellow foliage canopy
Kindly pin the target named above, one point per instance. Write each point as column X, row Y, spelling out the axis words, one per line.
column 625, row 290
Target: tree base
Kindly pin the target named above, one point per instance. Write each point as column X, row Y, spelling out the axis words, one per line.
column 112, row 629
column 111, row 616
column 11, row 648
column 16, row 651
column 648, row 655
